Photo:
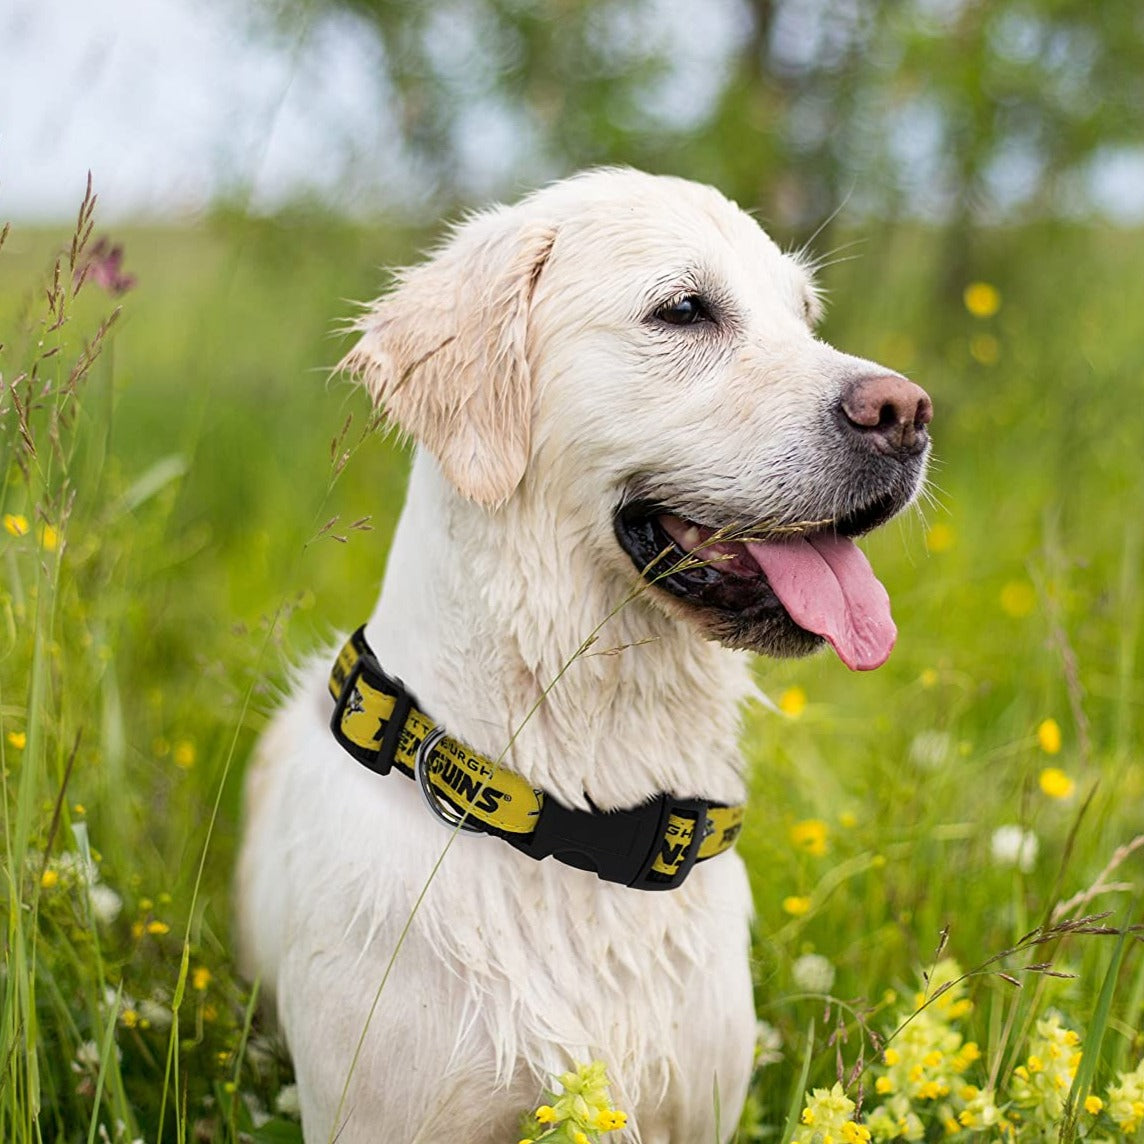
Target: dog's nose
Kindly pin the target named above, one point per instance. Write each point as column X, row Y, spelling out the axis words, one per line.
column 889, row 412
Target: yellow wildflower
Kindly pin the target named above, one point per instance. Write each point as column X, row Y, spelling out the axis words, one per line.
column 18, row 739
column 981, row 299
column 1093, row 1104
column 940, row 538
column 830, row 1111
column 796, row 906
column 546, row 1114
column 580, row 1138
column 130, row 1018
column 792, row 702
column 1055, row 783
column 49, row 878
column 891, row 1057
column 49, row 538
column 184, row 754
column 985, row 349
column 200, row 978
column 1018, row 598
column 158, row 928
column 809, row 835
column 928, row 677
column 1049, row 737
column 15, row 524
column 609, row 1119
column 883, row 1086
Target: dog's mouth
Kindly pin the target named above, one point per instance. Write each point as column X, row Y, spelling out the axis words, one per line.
column 781, row 589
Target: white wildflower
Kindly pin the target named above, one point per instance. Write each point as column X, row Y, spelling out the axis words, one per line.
column 931, row 750
column 768, row 1044
column 158, row 1016
column 287, row 1103
column 1013, row 846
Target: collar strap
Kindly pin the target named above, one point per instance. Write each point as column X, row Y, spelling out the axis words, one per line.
column 650, row 847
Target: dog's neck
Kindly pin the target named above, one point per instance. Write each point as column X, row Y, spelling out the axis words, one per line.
column 483, row 614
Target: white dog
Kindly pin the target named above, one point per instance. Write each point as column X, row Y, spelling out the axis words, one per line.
column 627, row 431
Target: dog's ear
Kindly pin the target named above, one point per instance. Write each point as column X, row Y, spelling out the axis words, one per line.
column 444, row 352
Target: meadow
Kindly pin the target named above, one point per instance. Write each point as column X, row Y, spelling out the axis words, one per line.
column 196, row 503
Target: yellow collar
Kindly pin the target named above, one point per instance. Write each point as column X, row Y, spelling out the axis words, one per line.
column 650, row 847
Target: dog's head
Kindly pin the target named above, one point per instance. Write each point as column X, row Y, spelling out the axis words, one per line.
column 639, row 347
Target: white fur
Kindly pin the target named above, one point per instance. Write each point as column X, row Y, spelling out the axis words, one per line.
column 522, row 360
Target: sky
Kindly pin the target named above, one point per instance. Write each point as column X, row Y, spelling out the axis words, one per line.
column 173, row 104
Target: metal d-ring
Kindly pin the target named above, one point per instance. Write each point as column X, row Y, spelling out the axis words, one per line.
column 453, row 819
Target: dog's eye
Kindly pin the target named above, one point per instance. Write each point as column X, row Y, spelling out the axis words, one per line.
column 686, row 311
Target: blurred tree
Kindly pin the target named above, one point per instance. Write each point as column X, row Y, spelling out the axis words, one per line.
column 953, row 110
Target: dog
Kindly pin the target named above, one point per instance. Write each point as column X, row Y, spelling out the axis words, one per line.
column 636, row 465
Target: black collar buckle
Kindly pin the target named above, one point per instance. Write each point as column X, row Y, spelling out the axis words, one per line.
column 624, row 846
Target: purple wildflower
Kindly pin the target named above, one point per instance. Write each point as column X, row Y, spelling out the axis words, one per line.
column 102, row 265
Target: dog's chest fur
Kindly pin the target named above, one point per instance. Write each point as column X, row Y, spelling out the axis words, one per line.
column 510, row 967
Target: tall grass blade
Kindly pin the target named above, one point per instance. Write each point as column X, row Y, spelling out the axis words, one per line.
column 798, row 1093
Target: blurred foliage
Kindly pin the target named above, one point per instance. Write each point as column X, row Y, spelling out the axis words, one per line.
column 193, row 570
column 951, row 109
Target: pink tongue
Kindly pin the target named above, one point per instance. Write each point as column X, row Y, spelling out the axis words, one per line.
column 828, row 587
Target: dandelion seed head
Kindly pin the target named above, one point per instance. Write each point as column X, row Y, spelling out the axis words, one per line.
column 813, row 973
column 106, row 904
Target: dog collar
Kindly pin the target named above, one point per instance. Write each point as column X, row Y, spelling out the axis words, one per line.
column 378, row 721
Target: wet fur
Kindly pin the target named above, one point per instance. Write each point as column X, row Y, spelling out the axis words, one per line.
column 522, row 359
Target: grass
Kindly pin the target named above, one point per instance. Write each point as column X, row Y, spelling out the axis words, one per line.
column 190, row 493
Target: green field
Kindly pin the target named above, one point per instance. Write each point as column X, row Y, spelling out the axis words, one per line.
column 145, row 634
